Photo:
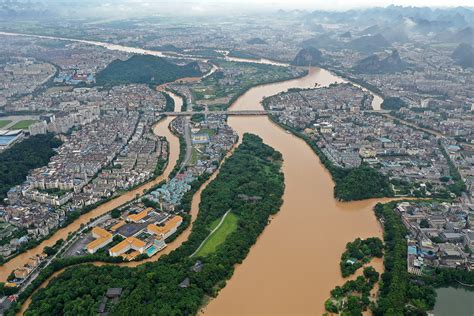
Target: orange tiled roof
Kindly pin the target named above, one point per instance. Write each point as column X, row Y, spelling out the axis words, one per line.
column 139, row 216
column 169, row 225
column 131, row 242
column 10, row 284
column 103, row 236
column 131, row 255
column 117, row 226
column 99, row 231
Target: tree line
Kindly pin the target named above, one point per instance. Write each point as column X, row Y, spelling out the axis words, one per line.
column 17, row 161
column 157, row 288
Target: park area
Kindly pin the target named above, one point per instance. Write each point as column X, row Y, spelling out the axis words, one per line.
column 220, row 229
column 24, row 124
column 4, row 123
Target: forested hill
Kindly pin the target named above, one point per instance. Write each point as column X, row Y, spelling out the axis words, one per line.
column 16, row 162
column 145, row 69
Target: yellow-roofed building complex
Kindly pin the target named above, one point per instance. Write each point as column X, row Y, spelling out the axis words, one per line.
column 168, row 229
column 117, row 226
column 130, row 243
column 103, row 238
column 135, row 218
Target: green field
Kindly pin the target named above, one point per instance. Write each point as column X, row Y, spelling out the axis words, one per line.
column 23, row 124
column 218, row 237
column 4, row 123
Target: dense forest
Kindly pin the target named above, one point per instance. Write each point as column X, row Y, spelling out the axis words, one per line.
column 169, row 107
column 358, row 253
column 17, row 161
column 360, row 183
column 158, row 288
column 393, row 104
column 145, row 69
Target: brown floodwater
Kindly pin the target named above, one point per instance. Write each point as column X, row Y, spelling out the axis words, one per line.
column 295, row 262
column 161, row 129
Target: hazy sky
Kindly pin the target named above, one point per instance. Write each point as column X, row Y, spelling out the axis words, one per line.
column 196, row 7
column 304, row 4
column 345, row 4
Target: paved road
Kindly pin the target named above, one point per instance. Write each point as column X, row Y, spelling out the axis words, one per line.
column 244, row 113
column 189, row 146
column 210, row 234
column 66, row 244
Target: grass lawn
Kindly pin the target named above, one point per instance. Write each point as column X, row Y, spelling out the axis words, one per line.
column 4, row 123
column 23, row 124
column 194, row 157
column 218, row 237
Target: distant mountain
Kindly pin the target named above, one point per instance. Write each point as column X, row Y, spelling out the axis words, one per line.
column 373, row 64
column 395, row 34
column 369, row 44
column 463, row 55
column 308, row 56
column 374, row 29
column 24, row 9
column 346, row 35
column 256, row 41
column 465, row 35
column 145, row 69
column 324, row 41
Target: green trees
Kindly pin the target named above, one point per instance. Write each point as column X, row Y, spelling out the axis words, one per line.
column 393, row 103
column 169, row 107
column 197, row 118
column 399, row 293
column 17, row 161
column 358, row 183
column 353, row 297
column 361, row 183
column 154, row 288
column 358, row 253
column 458, row 186
column 145, row 69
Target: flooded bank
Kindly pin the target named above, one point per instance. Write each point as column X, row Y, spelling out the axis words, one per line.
column 295, row 262
column 161, row 129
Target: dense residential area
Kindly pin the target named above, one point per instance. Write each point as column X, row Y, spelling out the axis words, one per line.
column 216, row 159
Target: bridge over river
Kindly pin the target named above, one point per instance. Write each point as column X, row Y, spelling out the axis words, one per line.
column 242, row 113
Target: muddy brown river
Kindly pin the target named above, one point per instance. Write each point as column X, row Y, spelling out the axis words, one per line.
column 295, row 262
column 161, row 129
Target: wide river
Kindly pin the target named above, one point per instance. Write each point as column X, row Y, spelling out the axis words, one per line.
column 295, row 263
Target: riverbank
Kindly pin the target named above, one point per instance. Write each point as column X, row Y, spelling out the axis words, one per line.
column 161, row 129
column 268, row 169
column 353, row 184
column 295, row 263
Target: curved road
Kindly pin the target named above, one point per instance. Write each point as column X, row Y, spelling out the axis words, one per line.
column 210, row 234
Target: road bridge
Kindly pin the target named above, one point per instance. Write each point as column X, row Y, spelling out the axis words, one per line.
column 243, row 113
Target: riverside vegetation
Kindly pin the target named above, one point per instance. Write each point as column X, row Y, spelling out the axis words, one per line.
column 352, row 298
column 145, row 69
column 400, row 292
column 250, row 184
column 359, row 183
column 17, row 161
